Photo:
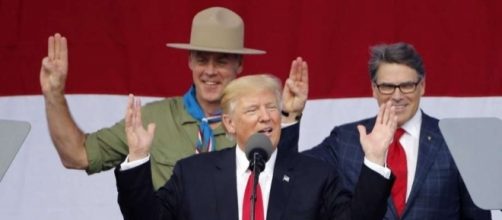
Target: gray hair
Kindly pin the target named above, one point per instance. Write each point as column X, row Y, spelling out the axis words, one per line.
column 398, row 53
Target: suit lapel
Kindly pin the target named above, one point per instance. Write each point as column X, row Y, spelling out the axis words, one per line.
column 224, row 180
column 282, row 183
column 429, row 145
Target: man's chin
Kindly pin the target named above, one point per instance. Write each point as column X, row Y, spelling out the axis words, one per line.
column 402, row 118
column 400, row 110
column 212, row 94
column 212, row 97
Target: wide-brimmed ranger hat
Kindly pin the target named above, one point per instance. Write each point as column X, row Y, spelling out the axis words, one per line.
column 217, row 29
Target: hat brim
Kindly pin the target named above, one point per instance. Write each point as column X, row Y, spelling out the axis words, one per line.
column 217, row 50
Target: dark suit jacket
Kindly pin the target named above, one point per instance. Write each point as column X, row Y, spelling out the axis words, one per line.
column 438, row 191
column 204, row 187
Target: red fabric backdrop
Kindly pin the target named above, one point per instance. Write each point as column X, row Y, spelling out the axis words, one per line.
column 117, row 46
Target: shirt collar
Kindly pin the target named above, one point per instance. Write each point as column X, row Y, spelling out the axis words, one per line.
column 243, row 163
column 412, row 126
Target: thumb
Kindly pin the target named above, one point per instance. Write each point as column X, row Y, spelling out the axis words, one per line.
column 292, row 87
column 287, row 87
column 46, row 65
column 362, row 131
column 151, row 128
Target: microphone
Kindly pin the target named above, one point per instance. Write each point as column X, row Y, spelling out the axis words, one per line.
column 258, row 150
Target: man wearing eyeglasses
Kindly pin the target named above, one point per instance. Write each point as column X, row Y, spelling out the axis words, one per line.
column 428, row 184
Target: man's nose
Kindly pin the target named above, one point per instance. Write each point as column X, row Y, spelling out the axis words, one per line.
column 264, row 114
column 397, row 94
column 210, row 68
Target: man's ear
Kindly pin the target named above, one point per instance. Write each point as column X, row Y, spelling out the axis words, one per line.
column 190, row 63
column 239, row 69
column 422, row 89
column 374, row 90
column 240, row 65
column 228, row 123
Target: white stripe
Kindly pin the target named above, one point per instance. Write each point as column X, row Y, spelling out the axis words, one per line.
column 37, row 181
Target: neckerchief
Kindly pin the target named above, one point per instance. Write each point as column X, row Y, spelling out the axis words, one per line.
column 205, row 142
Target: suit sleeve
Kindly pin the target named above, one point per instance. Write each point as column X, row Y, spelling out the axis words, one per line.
column 136, row 195
column 370, row 197
column 289, row 138
column 138, row 199
column 324, row 151
column 368, row 202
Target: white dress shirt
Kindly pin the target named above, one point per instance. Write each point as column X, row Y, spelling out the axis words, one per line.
column 410, row 142
column 243, row 173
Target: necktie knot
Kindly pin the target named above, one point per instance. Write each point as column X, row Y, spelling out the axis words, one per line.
column 397, row 135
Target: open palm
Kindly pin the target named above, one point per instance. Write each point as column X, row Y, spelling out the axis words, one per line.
column 139, row 139
column 376, row 143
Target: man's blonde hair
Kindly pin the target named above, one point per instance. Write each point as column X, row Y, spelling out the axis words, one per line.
column 249, row 84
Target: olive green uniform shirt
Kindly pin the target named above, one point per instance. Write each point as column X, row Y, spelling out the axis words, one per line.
column 176, row 135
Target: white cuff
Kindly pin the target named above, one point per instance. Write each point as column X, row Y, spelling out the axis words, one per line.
column 384, row 171
column 285, row 125
column 126, row 165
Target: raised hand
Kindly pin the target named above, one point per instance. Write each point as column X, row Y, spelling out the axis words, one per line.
column 139, row 140
column 296, row 88
column 54, row 68
column 376, row 143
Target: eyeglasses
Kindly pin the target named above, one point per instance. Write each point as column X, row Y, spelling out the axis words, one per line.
column 405, row 88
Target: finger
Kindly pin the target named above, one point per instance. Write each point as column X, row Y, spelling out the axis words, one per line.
column 50, row 48
column 393, row 124
column 57, row 45
column 294, row 69
column 63, row 50
column 134, row 113
column 393, row 118
column 305, row 73
column 298, row 72
column 293, row 88
column 137, row 115
column 380, row 114
column 386, row 113
column 128, row 116
column 138, row 108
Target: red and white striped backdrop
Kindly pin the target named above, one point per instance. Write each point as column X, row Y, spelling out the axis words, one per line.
column 117, row 47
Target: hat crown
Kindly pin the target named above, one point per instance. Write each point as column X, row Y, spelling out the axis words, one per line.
column 218, row 27
column 219, row 30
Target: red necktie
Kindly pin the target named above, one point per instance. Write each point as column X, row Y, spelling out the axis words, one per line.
column 246, row 209
column 396, row 161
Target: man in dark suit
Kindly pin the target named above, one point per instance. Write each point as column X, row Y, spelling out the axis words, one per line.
column 428, row 184
column 292, row 185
